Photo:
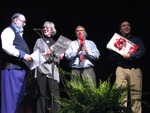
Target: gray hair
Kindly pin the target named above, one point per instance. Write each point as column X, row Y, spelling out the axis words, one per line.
column 51, row 24
column 80, row 26
column 16, row 15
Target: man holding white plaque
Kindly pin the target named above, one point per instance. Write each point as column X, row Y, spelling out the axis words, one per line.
column 127, row 52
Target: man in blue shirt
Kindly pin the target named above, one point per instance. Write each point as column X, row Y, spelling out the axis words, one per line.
column 82, row 53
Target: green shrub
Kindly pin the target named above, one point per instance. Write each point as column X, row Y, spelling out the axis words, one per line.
column 85, row 97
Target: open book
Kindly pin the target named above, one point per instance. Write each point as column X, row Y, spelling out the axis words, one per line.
column 121, row 45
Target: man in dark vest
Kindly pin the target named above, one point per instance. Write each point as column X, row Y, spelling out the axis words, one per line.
column 13, row 74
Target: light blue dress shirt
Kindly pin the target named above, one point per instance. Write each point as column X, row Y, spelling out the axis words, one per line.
column 72, row 54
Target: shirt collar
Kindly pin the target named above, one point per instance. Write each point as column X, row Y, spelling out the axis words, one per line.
column 18, row 30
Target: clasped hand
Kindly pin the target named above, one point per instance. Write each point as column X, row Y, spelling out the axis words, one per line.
column 82, row 48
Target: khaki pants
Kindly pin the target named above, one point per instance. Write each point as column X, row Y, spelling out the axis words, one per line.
column 133, row 77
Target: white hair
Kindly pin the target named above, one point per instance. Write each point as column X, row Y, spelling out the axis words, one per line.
column 52, row 26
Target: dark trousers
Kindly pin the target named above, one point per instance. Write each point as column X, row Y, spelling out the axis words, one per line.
column 44, row 86
column 13, row 83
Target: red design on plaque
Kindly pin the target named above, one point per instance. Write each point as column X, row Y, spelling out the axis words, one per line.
column 120, row 43
column 133, row 49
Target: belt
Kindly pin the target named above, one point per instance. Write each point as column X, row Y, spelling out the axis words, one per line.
column 127, row 66
column 82, row 68
column 11, row 66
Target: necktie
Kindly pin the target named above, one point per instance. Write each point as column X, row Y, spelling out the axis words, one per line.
column 81, row 57
column 81, row 44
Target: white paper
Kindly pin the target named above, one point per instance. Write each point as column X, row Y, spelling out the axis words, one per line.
column 61, row 45
column 37, row 59
column 121, row 45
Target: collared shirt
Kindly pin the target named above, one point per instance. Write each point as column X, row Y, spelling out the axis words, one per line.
column 7, row 38
column 73, row 55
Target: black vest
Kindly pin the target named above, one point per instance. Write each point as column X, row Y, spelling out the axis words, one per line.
column 15, row 62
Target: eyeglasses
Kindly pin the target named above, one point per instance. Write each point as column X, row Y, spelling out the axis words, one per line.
column 23, row 21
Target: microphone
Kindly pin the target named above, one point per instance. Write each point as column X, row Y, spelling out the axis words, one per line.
column 37, row 29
